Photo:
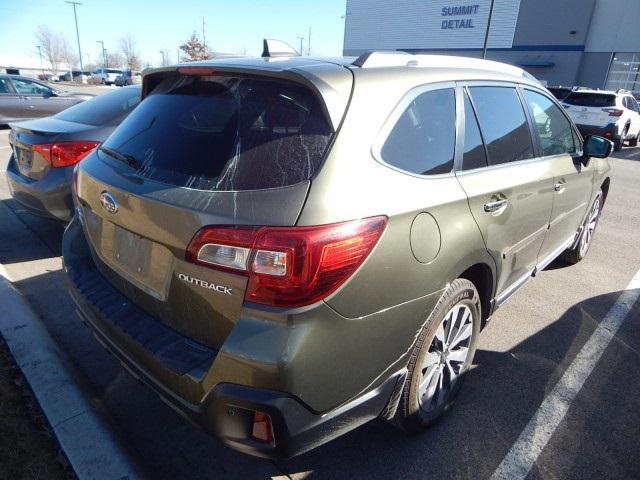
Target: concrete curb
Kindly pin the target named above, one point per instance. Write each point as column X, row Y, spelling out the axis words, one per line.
column 87, row 440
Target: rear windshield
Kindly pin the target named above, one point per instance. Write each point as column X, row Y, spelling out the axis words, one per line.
column 224, row 133
column 559, row 93
column 584, row 99
column 108, row 109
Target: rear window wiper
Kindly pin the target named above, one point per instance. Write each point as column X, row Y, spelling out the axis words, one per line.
column 123, row 157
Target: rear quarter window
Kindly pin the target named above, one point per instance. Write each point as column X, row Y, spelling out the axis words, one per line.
column 423, row 138
column 224, row 133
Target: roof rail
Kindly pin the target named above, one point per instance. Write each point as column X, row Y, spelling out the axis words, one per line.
column 395, row 58
column 277, row 48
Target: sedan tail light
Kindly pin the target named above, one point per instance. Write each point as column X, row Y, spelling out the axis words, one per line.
column 65, row 154
column 613, row 112
column 288, row 266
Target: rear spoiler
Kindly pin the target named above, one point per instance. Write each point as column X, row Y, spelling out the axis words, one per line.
column 332, row 93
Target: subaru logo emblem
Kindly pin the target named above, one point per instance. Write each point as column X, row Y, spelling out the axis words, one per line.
column 109, row 203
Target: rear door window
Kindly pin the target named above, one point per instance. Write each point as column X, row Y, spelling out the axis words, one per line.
column 224, row 133
column 422, row 140
column 588, row 99
column 474, row 154
column 503, row 124
column 553, row 128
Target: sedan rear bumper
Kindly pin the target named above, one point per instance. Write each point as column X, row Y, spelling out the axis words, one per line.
column 50, row 196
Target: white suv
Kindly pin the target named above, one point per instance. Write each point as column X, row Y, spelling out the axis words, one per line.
column 107, row 75
column 613, row 115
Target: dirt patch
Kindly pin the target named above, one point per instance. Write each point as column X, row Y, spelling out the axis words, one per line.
column 28, row 448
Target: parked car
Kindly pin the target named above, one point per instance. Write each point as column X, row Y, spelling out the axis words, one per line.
column 74, row 75
column 560, row 92
column 44, row 151
column 107, row 76
column 22, row 98
column 614, row 115
column 286, row 253
column 128, row 77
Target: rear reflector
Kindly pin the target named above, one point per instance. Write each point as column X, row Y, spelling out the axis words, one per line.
column 65, row 154
column 262, row 427
column 288, row 266
column 613, row 112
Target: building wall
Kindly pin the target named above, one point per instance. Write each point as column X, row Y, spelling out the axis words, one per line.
column 593, row 70
column 563, row 42
column 615, row 27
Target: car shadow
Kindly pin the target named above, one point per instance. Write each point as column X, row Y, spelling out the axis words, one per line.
column 19, row 230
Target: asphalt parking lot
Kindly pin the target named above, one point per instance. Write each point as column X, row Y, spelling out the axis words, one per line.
column 523, row 352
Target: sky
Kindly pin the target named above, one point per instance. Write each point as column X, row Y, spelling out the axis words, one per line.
column 230, row 26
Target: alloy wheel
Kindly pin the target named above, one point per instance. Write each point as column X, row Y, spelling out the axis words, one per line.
column 590, row 227
column 446, row 358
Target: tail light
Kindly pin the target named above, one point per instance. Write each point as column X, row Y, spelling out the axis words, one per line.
column 613, row 112
column 64, row 154
column 288, row 266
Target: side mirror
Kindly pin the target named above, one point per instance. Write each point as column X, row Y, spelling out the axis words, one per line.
column 598, row 147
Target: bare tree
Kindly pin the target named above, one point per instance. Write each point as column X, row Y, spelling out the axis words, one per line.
column 66, row 53
column 195, row 49
column 51, row 46
column 128, row 48
column 115, row 59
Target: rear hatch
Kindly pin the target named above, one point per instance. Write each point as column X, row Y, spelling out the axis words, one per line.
column 201, row 149
column 592, row 108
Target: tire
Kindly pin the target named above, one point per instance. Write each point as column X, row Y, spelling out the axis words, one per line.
column 421, row 405
column 617, row 145
column 103, row 82
column 634, row 142
column 576, row 254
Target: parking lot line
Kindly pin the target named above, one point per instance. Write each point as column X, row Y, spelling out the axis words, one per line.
column 535, row 436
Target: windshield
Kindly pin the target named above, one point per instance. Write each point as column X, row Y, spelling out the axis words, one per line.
column 224, row 133
column 108, row 109
column 584, row 99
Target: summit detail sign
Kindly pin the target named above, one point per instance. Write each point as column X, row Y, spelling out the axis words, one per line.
column 467, row 12
column 428, row 25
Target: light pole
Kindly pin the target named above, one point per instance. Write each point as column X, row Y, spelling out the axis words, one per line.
column 163, row 62
column 104, row 53
column 301, row 40
column 40, row 54
column 75, row 15
column 486, row 35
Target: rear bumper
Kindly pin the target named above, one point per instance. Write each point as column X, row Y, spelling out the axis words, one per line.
column 609, row 131
column 50, row 196
column 160, row 356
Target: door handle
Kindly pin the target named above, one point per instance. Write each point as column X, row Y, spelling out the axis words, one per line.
column 559, row 186
column 493, row 207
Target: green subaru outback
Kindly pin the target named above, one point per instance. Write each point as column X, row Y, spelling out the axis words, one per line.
column 285, row 248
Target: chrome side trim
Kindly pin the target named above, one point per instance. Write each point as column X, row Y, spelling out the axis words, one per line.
column 513, row 288
column 553, row 255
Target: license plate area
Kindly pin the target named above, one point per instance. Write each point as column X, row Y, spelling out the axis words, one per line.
column 144, row 263
column 24, row 159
